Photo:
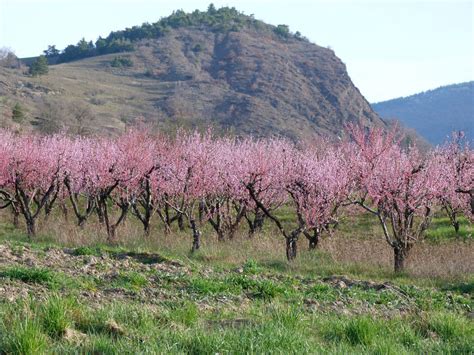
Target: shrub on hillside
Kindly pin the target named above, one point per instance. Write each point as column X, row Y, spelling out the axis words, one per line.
column 121, row 62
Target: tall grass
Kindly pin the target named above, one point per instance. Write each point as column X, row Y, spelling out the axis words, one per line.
column 357, row 247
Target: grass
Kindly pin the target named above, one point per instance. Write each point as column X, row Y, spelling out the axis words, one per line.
column 129, row 280
column 30, row 275
column 442, row 230
column 149, row 295
column 178, row 327
column 54, row 313
column 23, row 336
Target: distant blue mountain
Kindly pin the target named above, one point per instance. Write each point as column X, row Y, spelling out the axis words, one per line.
column 434, row 114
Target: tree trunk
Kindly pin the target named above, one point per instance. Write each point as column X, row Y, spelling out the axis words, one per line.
column 64, row 211
column 30, row 228
column 100, row 214
column 259, row 220
column 111, row 235
column 220, row 235
column 452, row 217
column 112, row 227
column 456, row 227
column 81, row 222
column 231, row 233
column 201, row 210
column 181, row 222
column 291, row 248
column 16, row 217
column 146, row 228
column 196, row 236
column 256, row 225
column 400, row 254
column 313, row 240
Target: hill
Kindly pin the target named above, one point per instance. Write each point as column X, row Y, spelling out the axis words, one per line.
column 219, row 67
column 434, row 114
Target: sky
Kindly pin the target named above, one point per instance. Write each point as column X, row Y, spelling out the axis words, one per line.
column 391, row 48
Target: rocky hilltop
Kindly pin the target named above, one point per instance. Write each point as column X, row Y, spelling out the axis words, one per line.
column 246, row 78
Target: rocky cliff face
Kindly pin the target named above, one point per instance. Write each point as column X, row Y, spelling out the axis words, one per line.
column 253, row 83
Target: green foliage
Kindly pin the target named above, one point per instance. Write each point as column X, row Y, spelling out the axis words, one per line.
column 211, row 9
column 29, row 275
column 55, row 315
column 266, row 290
column 39, row 67
column 120, row 62
column 446, row 326
column 94, row 251
column 130, row 280
column 361, row 330
column 25, row 337
column 206, row 286
column 21, row 331
column 251, row 267
column 51, row 279
column 51, row 51
column 257, row 289
column 186, row 313
column 18, row 113
column 441, row 229
column 282, row 31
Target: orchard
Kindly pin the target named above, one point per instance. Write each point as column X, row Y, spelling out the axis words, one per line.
column 193, row 179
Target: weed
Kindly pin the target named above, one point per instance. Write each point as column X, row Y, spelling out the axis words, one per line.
column 361, row 330
column 185, row 313
column 210, row 286
column 86, row 250
column 24, row 336
column 448, row 327
column 251, row 267
column 29, row 275
column 55, row 315
column 130, row 280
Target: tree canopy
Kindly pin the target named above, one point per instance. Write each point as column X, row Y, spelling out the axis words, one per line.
column 39, row 67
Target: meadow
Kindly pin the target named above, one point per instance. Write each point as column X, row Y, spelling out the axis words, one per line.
column 67, row 291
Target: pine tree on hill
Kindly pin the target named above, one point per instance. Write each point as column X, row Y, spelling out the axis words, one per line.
column 39, row 67
column 18, row 114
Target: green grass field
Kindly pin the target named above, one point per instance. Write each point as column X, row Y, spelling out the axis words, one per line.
column 66, row 293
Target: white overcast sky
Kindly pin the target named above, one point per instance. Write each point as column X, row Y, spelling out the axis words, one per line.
column 391, row 48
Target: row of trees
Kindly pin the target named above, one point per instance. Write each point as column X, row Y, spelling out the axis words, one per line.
column 194, row 178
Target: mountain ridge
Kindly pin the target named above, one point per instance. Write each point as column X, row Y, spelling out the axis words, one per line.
column 435, row 113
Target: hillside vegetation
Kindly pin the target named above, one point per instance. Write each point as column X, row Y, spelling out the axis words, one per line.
column 434, row 114
column 217, row 68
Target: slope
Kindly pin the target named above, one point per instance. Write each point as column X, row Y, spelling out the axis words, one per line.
column 434, row 114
